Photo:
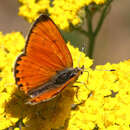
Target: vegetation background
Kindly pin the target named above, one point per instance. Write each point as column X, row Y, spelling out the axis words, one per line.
column 113, row 41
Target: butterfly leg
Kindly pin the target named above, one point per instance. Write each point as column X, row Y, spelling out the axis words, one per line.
column 83, row 84
column 74, row 106
column 77, row 89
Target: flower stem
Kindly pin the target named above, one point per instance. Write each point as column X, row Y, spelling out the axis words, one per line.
column 93, row 34
column 91, row 46
column 90, row 33
column 102, row 17
column 84, row 32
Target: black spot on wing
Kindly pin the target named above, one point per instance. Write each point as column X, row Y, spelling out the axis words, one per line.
column 16, row 71
column 17, row 79
column 19, row 58
column 20, row 85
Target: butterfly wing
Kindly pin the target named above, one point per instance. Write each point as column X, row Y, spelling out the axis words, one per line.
column 45, row 54
column 51, row 93
column 45, row 36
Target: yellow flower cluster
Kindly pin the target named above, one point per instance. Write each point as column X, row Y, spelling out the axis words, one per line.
column 10, row 46
column 65, row 11
column 31, row 9
column 102, row 102
column 107, row 105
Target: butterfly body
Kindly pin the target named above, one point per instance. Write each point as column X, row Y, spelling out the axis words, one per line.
column 61, row 80
column 45, row 68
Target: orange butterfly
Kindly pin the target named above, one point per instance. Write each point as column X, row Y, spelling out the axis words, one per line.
column 45, row 68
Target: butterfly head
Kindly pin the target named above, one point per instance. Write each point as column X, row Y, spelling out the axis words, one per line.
column 77, row 69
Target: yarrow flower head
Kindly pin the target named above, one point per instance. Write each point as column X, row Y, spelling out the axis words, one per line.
column 102, row 102
column 10, row 46
column 107, row 104
column 66, row 11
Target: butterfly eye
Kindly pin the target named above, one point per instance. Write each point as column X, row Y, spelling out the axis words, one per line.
column 81, row 72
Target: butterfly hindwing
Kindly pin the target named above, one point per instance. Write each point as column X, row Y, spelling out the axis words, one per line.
column 48, row 94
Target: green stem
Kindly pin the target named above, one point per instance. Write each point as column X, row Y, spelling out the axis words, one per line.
column 84, row 32
column 90, row 32
column 102, row 17
column 89, row 20
column 91, row 46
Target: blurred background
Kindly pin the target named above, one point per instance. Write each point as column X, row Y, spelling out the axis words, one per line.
column 113, row 41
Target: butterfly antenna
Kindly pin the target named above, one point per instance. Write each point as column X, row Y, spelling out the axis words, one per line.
column 85, row 70
column 105, row 70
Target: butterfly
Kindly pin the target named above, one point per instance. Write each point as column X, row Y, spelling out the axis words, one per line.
column 45, row 67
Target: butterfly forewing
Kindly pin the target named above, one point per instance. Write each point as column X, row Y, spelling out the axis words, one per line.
column 45, row 36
